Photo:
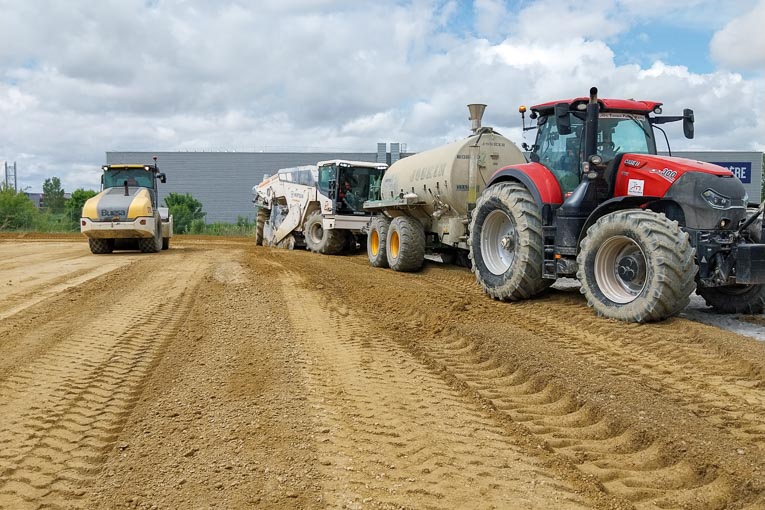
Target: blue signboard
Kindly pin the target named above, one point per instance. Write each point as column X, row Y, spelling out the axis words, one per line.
column 741, row 169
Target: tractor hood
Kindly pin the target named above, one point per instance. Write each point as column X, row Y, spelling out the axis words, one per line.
column 113, row 205
column 680, row 165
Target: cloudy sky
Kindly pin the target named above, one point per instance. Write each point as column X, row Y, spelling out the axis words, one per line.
column 79, row 78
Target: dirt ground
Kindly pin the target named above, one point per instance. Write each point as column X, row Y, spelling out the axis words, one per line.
column 223, row 375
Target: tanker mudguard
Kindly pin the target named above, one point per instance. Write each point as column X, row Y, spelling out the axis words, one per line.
column 540, row 182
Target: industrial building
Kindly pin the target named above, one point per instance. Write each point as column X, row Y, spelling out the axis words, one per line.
column 223, row 181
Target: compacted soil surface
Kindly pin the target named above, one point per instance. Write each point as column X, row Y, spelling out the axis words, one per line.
column 219, row 374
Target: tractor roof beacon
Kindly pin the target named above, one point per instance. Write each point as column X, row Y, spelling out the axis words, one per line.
column 596, row 202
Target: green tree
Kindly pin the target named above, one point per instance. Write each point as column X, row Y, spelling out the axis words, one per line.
column 53, row 195
column 185, row 210
column 76, row 202
column 16, row 210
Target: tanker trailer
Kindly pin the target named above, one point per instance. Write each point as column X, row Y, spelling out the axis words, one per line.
column 426, row 198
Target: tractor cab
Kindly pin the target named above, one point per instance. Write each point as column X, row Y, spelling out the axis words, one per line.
column 350, row 184
column 623, row 126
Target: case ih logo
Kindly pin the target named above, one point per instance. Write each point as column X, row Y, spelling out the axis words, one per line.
column 632, row 162
column 668, row 174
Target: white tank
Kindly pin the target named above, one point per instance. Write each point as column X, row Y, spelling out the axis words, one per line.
column 439, row 176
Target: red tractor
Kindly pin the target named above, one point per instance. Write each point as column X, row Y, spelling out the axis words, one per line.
column 638, row 230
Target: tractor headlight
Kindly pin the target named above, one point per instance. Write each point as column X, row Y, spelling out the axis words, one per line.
column 716, row 200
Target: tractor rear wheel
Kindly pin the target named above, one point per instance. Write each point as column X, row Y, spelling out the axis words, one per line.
column 636, row 266
column 260, row 222
column 405, row 244
column 748, row 299
column 320, row 240
column 101, row 246
column 506, row 244
column 376, row 240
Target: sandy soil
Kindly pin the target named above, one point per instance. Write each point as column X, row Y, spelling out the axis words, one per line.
column 221, row 375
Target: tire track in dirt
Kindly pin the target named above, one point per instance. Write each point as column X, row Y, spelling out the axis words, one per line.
column 664, row 415
column 61, row 412
column 41, row 273
column 397, row 435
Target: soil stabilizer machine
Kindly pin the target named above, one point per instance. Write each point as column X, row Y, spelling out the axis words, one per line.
column 317, row 206
column 594, row 202
column 126, row 213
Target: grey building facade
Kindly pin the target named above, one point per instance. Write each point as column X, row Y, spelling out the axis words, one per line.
column 223, row 181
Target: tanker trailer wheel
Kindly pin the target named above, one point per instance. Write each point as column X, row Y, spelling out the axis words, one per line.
column 636, row 266
column 506, row 245
column 405, row 244
column 376, row 239
column 320, row 240
column 101, row 246
column 260, row 221
column 748, row 299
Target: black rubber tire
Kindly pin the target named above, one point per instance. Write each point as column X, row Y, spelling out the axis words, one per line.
column 523, row 279
column 101, row 246
column 377, row 238
column 260, row 221
column 152, row 244
column 319, row 240
column 405, row 244
column 746, row 299
column 165, row 243
column 670, row 267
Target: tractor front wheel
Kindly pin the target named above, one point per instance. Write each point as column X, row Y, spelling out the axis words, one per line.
column 636, row 266
column 748, row 299
column 506, row 245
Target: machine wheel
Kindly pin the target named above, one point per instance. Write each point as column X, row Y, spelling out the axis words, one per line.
column 165, row 243
column 319, row 240
column 260, row 222
column 153, row 244
column 405, row 244
column 636, row 266
column 506, row 244
column 101, row 246
column 376, row 240
column 748, row 299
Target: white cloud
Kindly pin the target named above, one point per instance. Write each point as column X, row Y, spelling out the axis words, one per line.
column 741, row 43
column 79, row 79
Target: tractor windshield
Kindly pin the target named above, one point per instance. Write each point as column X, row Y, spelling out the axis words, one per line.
column 562, row 154
column 116, row 177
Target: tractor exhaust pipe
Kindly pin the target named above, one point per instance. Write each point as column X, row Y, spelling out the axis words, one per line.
column 591, row 125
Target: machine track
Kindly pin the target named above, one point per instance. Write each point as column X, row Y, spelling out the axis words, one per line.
column 61, row 409
column 225, row 374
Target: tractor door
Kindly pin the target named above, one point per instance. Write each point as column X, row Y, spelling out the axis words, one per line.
column 560, row 153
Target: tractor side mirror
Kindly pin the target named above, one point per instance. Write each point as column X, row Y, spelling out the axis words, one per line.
column 562, row 119
column 162, row 178
column 688, row 120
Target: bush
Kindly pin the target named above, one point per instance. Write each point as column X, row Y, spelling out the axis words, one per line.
column 17, row 212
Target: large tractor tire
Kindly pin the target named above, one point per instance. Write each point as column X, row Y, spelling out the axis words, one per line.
column 320, row 240
column 101, row 246
column 636, row 266
column 506, row 243
column 260, row 222
column 748, row 299
column 152, row 244
column 405, row 244
column 376, row 240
